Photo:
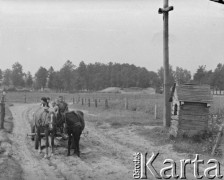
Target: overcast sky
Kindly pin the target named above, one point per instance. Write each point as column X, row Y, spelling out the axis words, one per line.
column 49, row 32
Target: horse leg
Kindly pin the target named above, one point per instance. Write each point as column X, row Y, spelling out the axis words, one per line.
column 32, row 131
column 47, row 141
column 39, row 140
column 74, row 142
column 76, row 139
column 69, row 143
column 52, row 142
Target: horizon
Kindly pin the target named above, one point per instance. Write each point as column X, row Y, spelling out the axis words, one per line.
column 47, row 33
column 76, row 66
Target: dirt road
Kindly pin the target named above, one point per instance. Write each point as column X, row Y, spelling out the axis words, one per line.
column 101, row 157
column 106, row 153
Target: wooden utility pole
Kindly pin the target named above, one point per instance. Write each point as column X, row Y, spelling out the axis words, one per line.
column 165, row 11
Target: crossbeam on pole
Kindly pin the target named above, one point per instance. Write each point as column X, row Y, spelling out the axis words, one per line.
column 218, row 1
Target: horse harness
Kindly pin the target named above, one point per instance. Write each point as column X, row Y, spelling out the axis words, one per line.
column 75, row 123
column 43, row 121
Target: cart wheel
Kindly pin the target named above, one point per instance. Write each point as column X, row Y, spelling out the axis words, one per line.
column 32, row 131
column 36, row 141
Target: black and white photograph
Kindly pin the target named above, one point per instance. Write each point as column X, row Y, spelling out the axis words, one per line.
column 111, row 89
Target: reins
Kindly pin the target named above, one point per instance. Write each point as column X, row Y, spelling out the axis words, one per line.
column 64, row 119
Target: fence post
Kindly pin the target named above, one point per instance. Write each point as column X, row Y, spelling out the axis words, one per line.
column 82, row 102
column 95, row 102
column 2, row 113
column 89, row 102
column 155, row 115
column 106, row 104
column 73, row 100
column 25, row 98
column 126, row 103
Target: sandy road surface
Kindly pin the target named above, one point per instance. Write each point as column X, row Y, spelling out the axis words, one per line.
column 106, row 153
column 101, row 157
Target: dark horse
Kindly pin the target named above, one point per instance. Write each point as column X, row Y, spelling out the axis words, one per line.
column 45, row 122
column 73, row 125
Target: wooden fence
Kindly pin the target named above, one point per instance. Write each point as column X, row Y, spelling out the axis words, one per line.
column 91, row 102
column 218, row 93
column 152, row 104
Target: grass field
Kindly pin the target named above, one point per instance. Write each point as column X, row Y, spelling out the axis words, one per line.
column 140, row 113
column 136, row 102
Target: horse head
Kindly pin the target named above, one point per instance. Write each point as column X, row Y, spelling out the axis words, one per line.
column 51, row 119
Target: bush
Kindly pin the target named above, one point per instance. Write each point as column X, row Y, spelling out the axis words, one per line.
column 11, row 89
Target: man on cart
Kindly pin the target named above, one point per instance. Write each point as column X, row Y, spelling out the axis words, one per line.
column 61, row 107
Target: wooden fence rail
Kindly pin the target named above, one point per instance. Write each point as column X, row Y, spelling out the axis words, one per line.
column 127, row 102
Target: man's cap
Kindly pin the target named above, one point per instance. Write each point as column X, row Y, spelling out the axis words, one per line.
column 44, row 99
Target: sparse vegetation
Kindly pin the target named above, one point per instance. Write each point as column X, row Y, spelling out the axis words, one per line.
column 9, row 167
column 159, row 135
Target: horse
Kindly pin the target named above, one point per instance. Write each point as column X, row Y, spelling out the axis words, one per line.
column 74, row 124
column 45, row 121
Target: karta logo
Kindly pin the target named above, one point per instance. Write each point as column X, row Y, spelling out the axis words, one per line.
column 142, row 166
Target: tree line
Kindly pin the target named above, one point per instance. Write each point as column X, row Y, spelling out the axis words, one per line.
column 97, row 76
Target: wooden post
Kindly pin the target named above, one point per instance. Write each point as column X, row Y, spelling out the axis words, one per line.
column 167, row 108
column 217, row 139
column 73, row 100
column 2, row 112
column 89, row 102
column 25, row 98
column 95, row 102
column 82, row 102
column 155, row 115
column 219, row 106
column 106, row 104
column 126, row 103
